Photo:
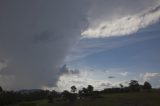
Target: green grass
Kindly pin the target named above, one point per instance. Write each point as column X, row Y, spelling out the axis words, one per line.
column 119, row 99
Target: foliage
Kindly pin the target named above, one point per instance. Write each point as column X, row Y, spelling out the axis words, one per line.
column 134, row 85
column 113, row 99
column 73, row 89
column 12, row 97
column 86, row 92
column 52, row 95
column 1, row 89
column 121, row 85
column 90, row 88
column 147, row 86
column 69, row 96
column 22, row 96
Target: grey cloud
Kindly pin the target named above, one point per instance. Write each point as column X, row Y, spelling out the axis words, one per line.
column 3, row 64
column 66, row 70
column 43, row 37
column 35, row 37
column 47, row 37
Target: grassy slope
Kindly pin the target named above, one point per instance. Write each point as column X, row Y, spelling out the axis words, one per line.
column 121, row 99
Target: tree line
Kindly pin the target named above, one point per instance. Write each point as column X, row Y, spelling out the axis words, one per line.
column 14, row 97
column 134, row 86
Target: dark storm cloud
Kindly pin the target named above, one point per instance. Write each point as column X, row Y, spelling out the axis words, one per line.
column 35, row 37
column 43, row 37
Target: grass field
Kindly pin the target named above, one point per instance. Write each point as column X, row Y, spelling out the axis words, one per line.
column 120, row 99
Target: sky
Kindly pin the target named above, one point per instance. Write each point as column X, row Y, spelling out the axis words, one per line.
column 54, row 44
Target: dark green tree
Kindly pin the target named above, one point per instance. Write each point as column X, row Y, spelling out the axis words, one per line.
column 80, row 93
column 69, row 96
column 84, row 91
column 147, row 86
column 121, row 85
column 134, row 85
column 1, row 89
column 52, row 96
column 73, row 89
column 90, row 88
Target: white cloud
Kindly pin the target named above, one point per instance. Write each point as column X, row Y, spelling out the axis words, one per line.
column 99, row 79
column 123, row 73
column 66, row 81
column 148, row 76
column 125, row 25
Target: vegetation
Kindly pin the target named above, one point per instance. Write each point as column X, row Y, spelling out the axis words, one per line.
column 112, row 99
column 147, row 86
column 133, row 95
column 73, row 89
column 1, row 89
column 134, row 85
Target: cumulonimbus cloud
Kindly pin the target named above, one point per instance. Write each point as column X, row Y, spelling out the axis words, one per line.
column 35, row 37
column 125, row 25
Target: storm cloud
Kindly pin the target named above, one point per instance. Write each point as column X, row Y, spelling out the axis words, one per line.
column 35, row 37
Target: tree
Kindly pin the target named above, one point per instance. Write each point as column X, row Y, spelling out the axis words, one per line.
column 73, row 89
column 69, row 96
column 147, row 86
column 84, row 90
column 1, row 89
column 65, row 94
column 52, row 96
column 90, row 88
column 121, row 85
column 134, row 85
column 80, row 93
